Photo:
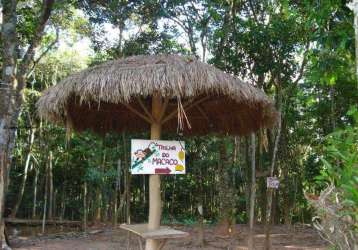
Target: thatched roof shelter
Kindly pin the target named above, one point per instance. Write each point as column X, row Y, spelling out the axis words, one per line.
column 100, row 98
column 114, row 96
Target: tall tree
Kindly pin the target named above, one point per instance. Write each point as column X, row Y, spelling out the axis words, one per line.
column 13, row 82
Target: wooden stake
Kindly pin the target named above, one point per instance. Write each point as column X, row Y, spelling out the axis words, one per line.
column 155, row 202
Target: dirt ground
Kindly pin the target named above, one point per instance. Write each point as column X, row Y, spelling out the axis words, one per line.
column 283, row 237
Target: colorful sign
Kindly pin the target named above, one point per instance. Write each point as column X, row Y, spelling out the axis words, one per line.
column 157, row 157
column 273, row 182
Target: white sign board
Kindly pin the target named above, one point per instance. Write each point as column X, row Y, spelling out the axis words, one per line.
column 272, row 182
column 157, row 157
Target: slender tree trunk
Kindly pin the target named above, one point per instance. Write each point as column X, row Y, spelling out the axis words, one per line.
column 50, row 180
column 34, row 202
column 100, row 209
column 286, row 205
column 24, row 176
column 121, row 27
column 127, row 180
column 201, row 234
column 201, row 193
column 354, row 7
column 128, row 198
column 98, row 204
column 252, row 194
column 261, row 188
column 85, row 209
column 226, row 194
column 333, row 107
column 356, row 36
column 116, row 193
column 247, row 176
column 7, row 98
column 63, row 203
column 270, row 190
column 11, row 86
column 45, row 197
column 54, row 202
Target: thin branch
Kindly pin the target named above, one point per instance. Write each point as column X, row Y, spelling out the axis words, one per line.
column 253, row 12
column 202, row 112
column 45, row 52
column 303, row 64
column 38, row 34
column 137, row 113
column 145, row 109
column 164, row 108
column 167, row 15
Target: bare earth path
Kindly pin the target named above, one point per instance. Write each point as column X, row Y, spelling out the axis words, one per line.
column 294, row 238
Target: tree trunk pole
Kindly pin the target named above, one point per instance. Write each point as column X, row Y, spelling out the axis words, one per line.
column 270, row 191
column 50, row 179
column 24, row 176
column 252, row 193
column 354, row 7
column 45, row 198
column 155, row 202
column 34, row 203
column 85, row 209
column 116, row 193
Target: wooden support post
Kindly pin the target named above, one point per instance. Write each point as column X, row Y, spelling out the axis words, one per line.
column 155, row 202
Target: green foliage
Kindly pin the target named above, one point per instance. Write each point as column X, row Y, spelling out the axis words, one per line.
column 265, row 42
column 340, row 165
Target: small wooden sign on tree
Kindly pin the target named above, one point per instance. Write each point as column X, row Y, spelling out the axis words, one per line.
column 157, row 157
column 273, row 182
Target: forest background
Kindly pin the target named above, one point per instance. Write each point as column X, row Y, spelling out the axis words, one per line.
column 301, row 53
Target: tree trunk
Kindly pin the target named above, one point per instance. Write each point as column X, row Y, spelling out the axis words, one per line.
column 127, row 181
column 24, row 176
column 100, row 209
column 54, row 202
column 261, row 179
column 45, row 198
column 201, row 235
column 120, row 37
column 270, row 190
column 98, row 204
column 252, row 194
column 34, row 203
column 226, row 194
column 247, row 175
column 7, row 98
column 354, row 7
column 85, row 209
column 11, row 86
column 63, row 203
column 116, row 194
column 50, row 180
column 201, row 192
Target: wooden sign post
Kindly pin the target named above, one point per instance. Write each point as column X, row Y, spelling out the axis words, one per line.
column 157, row 157
column 273, row 182
column 155, row 201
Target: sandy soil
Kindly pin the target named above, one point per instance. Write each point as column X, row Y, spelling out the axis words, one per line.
column 283, row 237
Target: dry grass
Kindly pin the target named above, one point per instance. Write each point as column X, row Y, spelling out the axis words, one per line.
column 93, row 98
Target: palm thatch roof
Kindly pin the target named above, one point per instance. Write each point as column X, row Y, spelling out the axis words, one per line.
column 102, row 97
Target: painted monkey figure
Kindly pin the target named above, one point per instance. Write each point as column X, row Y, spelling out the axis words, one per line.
column 143, row 154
